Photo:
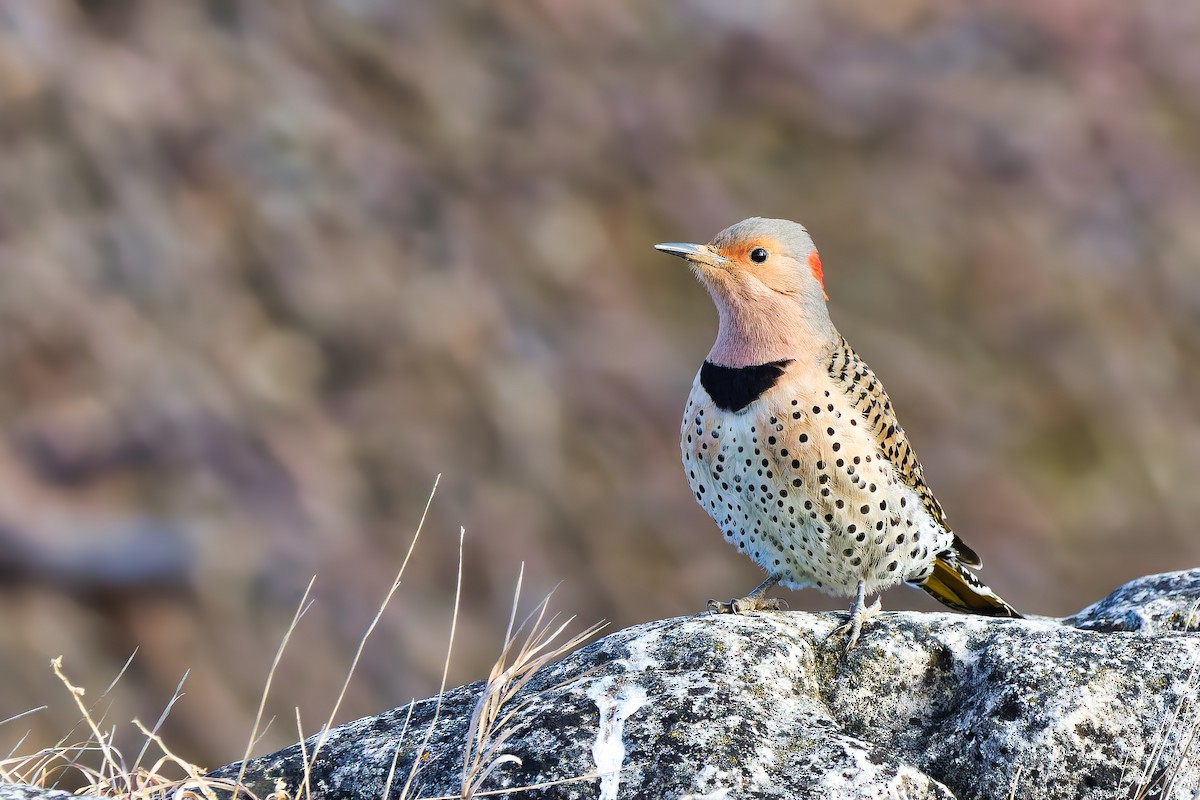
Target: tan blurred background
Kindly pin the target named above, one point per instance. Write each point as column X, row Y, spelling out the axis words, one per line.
column 268, row 268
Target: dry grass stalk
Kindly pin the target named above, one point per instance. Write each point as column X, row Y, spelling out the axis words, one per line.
column 437, row 709
column 488, row 729
column 301, row 608
column 362, row 643
column 1155, row 779
column 1158, row 778
column 387, row 785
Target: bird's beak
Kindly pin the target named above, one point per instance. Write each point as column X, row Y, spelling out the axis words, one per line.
column 695, row 253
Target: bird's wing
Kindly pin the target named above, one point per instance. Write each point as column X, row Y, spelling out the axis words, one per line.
column 869, row 398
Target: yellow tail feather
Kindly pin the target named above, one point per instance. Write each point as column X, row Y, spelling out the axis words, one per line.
column 954, row 586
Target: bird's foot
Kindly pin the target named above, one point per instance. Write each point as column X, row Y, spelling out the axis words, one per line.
column 744, row 605
column 860, row 612
column 757, row 600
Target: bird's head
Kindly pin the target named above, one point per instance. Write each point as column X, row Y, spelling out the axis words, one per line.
column 766, row 280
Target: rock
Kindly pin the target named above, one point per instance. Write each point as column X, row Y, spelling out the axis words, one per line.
column 929, row 705
column 1166, row 602
column 22, row 791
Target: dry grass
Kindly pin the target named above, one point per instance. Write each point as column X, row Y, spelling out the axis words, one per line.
column 103, row 769
column 107, row 772
column 488, row 731
column 1159, row 775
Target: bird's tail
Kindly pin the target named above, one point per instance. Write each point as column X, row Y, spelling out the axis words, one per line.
column 956, row 586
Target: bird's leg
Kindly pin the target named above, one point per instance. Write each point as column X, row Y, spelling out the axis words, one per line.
column 755, row 601
column 860, row 612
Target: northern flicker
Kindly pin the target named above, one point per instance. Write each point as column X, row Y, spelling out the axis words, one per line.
column 791, row 445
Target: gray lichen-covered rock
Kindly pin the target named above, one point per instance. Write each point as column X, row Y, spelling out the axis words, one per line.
column 1100, row 705
column 1155, row 603
column 21, row 791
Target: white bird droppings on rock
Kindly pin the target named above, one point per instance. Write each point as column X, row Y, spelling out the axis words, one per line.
column 616, row 705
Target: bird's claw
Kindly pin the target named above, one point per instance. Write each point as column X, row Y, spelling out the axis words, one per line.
column 852, row 628
column 745, row 605
column 717, row 607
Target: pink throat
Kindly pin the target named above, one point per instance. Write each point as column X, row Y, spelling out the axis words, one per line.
column 769, row 327
column 747, row 339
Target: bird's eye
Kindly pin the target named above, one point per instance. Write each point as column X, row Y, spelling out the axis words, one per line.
column 758, row 255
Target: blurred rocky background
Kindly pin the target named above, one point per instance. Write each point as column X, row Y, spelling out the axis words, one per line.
column 266, row 269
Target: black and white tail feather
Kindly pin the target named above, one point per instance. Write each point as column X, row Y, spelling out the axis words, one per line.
column 953, row 584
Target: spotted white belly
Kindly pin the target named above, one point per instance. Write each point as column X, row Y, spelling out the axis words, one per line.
column 795, row 481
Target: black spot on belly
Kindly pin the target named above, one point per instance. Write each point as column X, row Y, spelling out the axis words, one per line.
column 734, row 388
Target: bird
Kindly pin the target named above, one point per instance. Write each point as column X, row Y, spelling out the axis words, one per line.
column 791, row 444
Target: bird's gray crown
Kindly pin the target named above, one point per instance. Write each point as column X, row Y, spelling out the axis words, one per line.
column 792, row 236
